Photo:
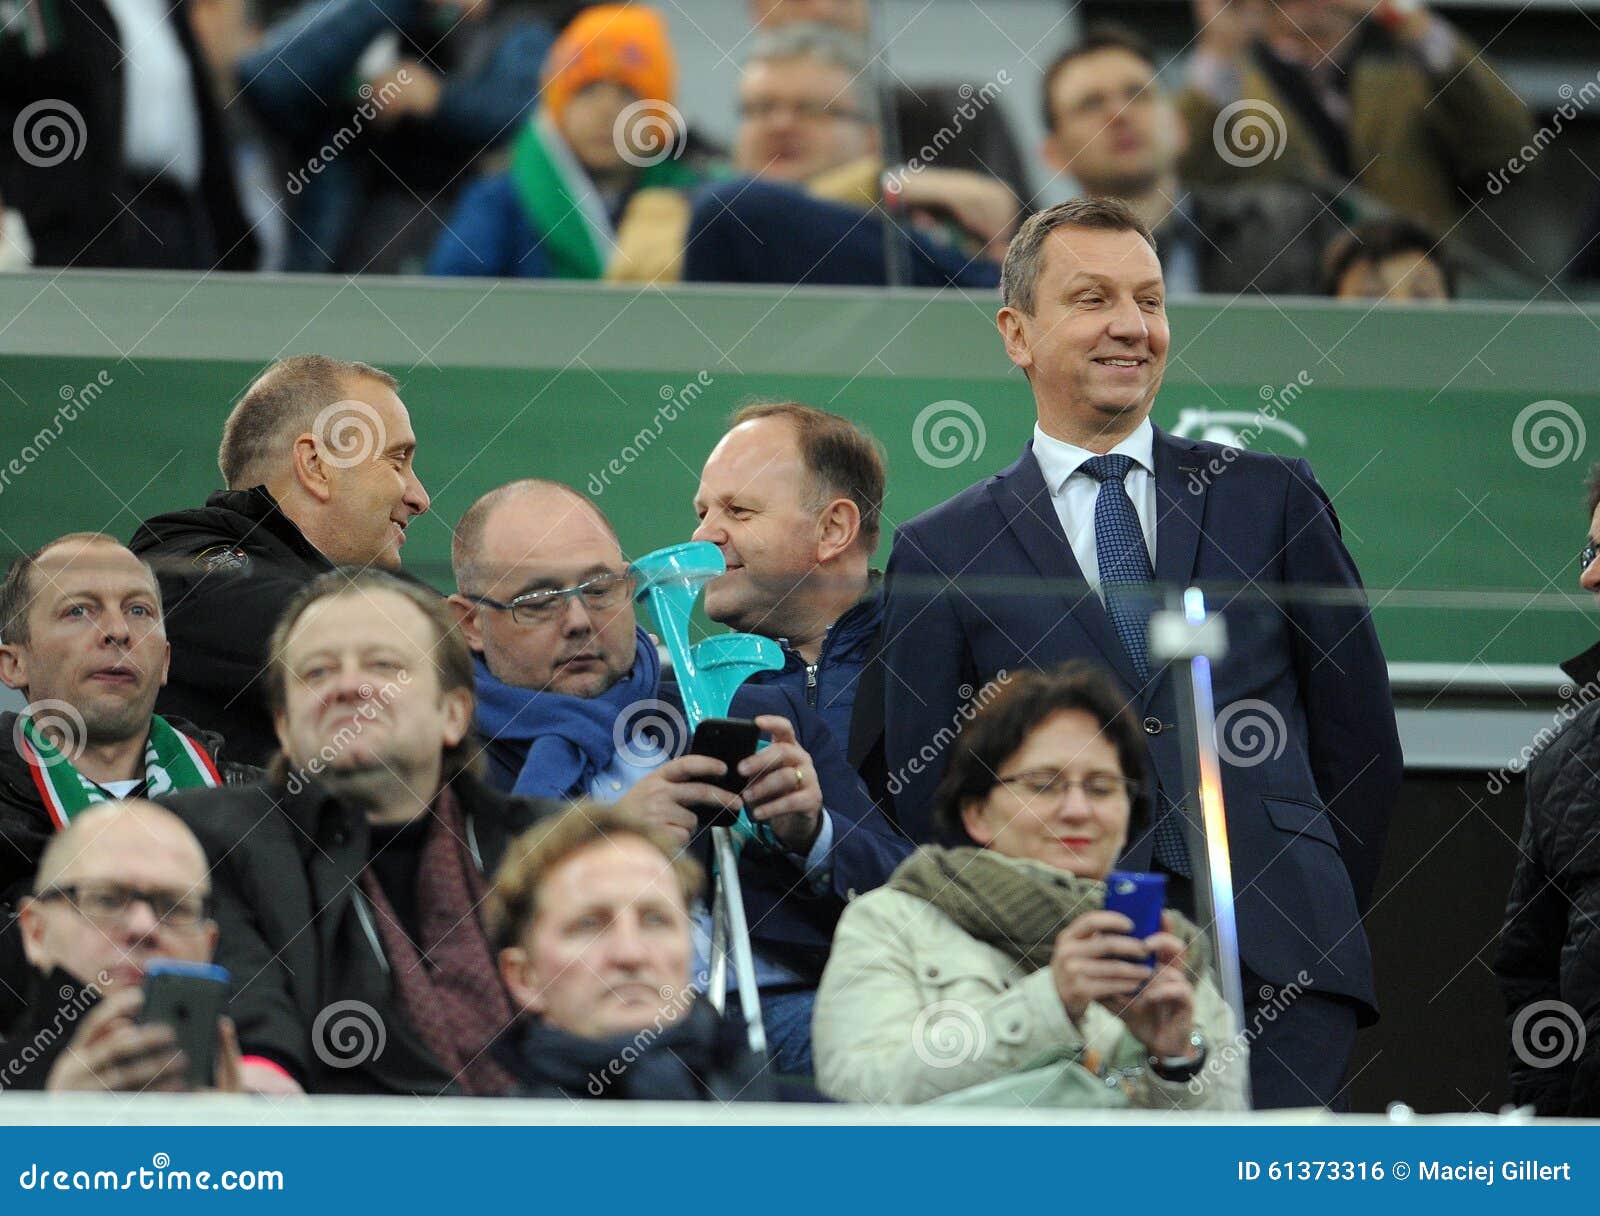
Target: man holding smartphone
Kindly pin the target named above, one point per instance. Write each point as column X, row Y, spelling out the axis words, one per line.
column 123, row 886
column 571, row 703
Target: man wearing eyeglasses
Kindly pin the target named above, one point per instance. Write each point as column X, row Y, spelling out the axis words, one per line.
column 809, row 136
column 126, row 883
column 572, row 703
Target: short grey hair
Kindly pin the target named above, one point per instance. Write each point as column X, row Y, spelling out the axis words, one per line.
column 1020, row 274
column 829, row 44
column 282, row 404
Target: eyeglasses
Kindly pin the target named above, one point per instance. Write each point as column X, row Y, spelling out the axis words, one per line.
column 600, row 593
column 107, row 905
column 1586, row 558
column 1101, row 789
column 767, row 109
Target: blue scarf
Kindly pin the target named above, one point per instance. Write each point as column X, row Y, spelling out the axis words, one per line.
column 569, row 739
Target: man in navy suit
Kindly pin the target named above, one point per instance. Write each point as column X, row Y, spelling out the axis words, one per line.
column 572, row 704
column 1052, row 559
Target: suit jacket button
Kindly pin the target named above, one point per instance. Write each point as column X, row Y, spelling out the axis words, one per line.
column 340, row 836
column 1152, row 726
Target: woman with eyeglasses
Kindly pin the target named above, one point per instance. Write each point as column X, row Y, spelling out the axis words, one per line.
column 992, row 974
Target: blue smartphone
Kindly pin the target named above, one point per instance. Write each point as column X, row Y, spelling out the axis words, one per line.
column 1139, row 897
column 189, row 997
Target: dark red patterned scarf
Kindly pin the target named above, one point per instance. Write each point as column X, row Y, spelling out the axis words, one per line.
column 450, row 991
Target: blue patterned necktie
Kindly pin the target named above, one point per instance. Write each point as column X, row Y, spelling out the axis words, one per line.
column 1124, row 560
column 1125, row 574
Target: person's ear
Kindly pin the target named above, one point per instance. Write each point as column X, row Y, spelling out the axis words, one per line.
column 1050, row 153
column 1175, row 131
column 311, row 472
column 31, row 920
column 838, row 529
column 13, row 666
column 1013, row 327
column 513, row 962
column 280, row 727
column 976, row 821
column 466, row 613
column 457, row 715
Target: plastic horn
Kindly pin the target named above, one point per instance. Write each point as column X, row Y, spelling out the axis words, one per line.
column 668, row 582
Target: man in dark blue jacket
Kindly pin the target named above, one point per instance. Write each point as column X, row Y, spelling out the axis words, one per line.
column 793, row 496
column 1101, row 503
column 572, row 704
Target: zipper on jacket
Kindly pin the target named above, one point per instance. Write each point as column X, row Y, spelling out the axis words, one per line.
column 811, row 683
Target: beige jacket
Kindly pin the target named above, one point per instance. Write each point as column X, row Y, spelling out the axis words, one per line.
column 913, row 1009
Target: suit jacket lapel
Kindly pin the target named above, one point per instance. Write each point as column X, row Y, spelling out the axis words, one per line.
column 1023, row 498
column 1180, row 506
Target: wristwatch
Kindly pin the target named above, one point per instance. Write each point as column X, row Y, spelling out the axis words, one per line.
column 1181, row 1068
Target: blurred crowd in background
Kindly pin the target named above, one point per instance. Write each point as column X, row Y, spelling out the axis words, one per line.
column 1307, row 147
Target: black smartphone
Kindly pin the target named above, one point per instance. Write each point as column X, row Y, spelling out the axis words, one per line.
column 189, row 997
column 729, row 740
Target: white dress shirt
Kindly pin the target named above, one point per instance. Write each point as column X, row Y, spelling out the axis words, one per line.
column 160, row 121
column 1074, row 492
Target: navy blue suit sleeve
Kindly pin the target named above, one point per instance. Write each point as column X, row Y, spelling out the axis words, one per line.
column 866, row 846
column 1344, row 681
column 925, row 664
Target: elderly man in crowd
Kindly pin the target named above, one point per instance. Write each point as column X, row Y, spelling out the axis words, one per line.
column 349, row 885
column 124, row 884
column 571, row 702
column 590, row 916
column 793, row 497
column 317, row 457
column 83, row 640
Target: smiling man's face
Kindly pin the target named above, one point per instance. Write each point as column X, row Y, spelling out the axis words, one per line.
column 1094, row 345
column 95, row 639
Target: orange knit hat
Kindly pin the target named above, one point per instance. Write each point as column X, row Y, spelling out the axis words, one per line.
column 623, row 43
